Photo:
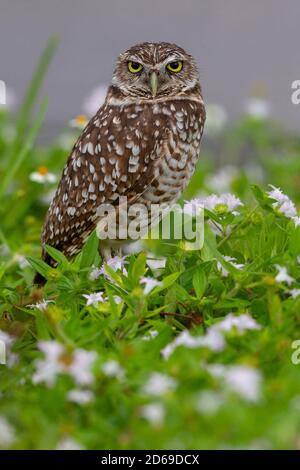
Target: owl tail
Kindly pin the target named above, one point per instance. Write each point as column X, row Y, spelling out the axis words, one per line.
column 39, row 280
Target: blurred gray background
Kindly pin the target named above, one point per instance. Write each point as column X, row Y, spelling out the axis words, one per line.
column 237, row 43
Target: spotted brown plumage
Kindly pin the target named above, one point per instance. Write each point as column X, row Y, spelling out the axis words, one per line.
column 142, row 143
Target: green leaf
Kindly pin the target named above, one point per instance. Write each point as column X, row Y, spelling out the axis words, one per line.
column 90, row 252
column 25, row 149
column 138, row 268
column 40, row 266
column 56, row 255
column 199, row 282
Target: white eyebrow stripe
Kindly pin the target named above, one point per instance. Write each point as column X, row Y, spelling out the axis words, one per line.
column 172, row 58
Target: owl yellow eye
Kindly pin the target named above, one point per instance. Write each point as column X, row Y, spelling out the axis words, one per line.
column 175, row 67
column 134, row 67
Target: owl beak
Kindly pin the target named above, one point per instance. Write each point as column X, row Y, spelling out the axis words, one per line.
column 153, row 80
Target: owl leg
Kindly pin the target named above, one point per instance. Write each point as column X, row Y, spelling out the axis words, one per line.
column 105, row 251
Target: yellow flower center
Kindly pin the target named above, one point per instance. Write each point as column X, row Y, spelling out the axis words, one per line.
column 81, row 119
column 42, row 170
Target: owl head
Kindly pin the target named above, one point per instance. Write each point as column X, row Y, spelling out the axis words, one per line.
column 152, row 70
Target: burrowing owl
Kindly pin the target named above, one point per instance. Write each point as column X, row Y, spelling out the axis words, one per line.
column 143, row 143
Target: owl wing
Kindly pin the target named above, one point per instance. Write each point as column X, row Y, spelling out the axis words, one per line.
column 116, row 155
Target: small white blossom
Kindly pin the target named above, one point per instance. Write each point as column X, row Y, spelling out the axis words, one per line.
column 283, row 275
column 6, row 338
column 158, row 263
column 117, row 263
column 150, row 284
column 81, row 365
column 258, row 108
column 243, row 380
column 79, row 122
column 42, row 305
column 150, row 335
column 216, row 119
column 42, row 175
column 81, row 397
column 295, row 293
column 57, row 361
column 242, row 323
column 68, row 444
column 221, row 180
column 209, row 402
column 296, row 221
column 154, row 413
column 224, row 203
column 118, row 300
column 159, row 384
column 94, row 100
column 22, row 261
column 7, row 433
column 112, row 368
column 95, row 274
column 94, row 299
column 283, row 204
column 212, row 340
column 230, row 260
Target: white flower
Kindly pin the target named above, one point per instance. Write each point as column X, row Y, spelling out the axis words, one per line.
column 295, row 293
column 216, row 119
column 116, row 263
column 42, row 175
column 212, row 340
column 7, row 433
column 58, row 361
column 283, row 275
column 82, row 397
column 243, row 380
column 42, row 306
column 68, row 444
column 230, row 260
column 242, row 323
column 95, row 274
column 80, row 367
column 209, row 402
column 159, row 384
column 296, row 221
column 284, row 205
column 22, row 261
column 221, row 180
column 6, row 338
column 94, row 100
column 223, row 203
column 150, row 284
column 94, row 298
column 158, row 263
column 79, row 122
column 154, row 413
column 47, row 369
column 258, row 108
column 118, row 300
column 112, row 368
column 150, row 335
